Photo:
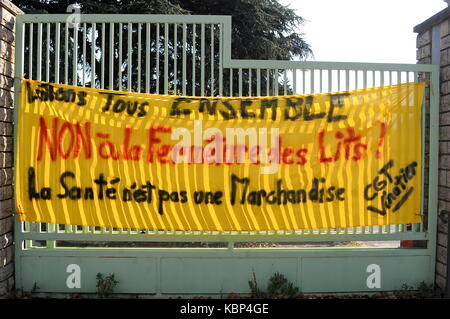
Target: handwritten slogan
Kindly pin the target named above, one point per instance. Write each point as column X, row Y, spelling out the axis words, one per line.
column 117, row 159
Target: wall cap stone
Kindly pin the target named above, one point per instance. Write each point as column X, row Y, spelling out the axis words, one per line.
column 8, row 5
column 438, row 18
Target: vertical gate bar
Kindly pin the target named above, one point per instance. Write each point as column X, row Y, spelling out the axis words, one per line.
column 339, row 80
column 240, row 82
column 86, row 229
column 397, row 228
column 231, row 82
column 193, row 57
column 220, row 60
column 75, row 55
column 321, row 81
column 104, row 230
column 272, row 81
column 66, row 54
column 39, row 53
column 93, row 49
column 249, row 82
column 183, row 70
column 347, row 80
column 312, row 81
column 84, row 55
column 111, row 56
column 330, row 81
column 166, row 58
column 419, row 226
column 285, row 81
column 347, row 87
column 139, row 57
column 294, row 81
column 57, row 50
column 267, row 82
column 400, row 227
column 202, row 59
column 320, row 76
column 68, row 228
column 275, row 80
column 422, row 226
column 175, row 58
column 19, row 73
column 30, row 53
column 364, row 79
column 212, row 60
column 50, row 244
column 129, row 57
column 147, row 58
column 258, row 82
column 120, row 81
column 102, row 57
column 382, row 82
column 47, row 55
column 157, row 57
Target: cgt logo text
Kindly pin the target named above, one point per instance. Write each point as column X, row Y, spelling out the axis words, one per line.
column 390, row 190
column 231, row 308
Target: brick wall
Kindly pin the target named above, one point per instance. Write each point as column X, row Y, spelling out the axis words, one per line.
column 444, row 153
column 7, row 22
column 433, row 46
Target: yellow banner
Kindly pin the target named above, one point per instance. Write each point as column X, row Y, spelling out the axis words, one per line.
column 117, row 159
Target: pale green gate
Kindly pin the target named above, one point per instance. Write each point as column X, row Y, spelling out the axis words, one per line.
column 191, row 55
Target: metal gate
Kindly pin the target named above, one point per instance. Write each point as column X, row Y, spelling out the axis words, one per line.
column 191, row 55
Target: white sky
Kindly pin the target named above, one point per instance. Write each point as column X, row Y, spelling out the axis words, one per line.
column 363, row 30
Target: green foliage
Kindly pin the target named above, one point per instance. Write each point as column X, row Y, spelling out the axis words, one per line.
column 421, row 291
column 279, row 287
column 255, row 292
column 405, row 291
column 262, row 29
column 426, row 291
column 35, row 288
column 105, row 285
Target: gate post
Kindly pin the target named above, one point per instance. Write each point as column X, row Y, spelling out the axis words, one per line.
column 8, row 12
column 433, row 46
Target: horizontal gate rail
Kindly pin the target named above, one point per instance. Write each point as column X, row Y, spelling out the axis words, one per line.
column 219, row 236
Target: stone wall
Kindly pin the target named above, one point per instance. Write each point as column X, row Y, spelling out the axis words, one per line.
column 8, row 11
column 433, row 46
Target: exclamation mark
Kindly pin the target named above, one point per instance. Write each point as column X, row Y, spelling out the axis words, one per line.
column 383, row 130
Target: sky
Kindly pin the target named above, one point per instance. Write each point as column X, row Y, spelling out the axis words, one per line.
column 363, row 30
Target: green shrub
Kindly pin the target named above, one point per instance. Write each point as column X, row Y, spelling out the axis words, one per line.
column 106, row 285
column 279, row 287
